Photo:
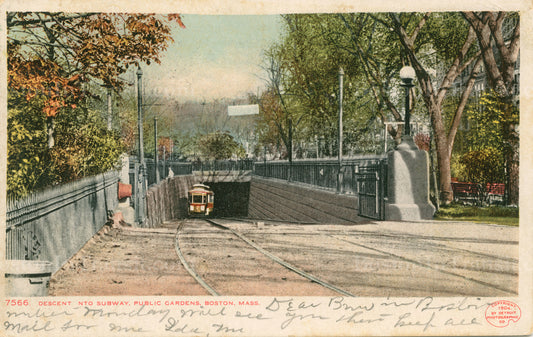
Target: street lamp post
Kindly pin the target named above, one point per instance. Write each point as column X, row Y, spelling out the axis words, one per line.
column 407, row 75
column 408, row 171
column 340, row 175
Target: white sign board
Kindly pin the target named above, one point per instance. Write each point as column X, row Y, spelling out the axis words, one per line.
column 243, row 110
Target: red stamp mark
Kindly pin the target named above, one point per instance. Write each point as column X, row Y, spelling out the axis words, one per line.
column 501, row 313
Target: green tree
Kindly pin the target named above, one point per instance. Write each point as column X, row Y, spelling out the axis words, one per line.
column 27, row 167
column 456, row 53
column 302, row 98
column 84, row 147
column 498, row 35
column 376, row 52
column 485, row 139
column 372, row 48
column 219, row 145
column 484, row 167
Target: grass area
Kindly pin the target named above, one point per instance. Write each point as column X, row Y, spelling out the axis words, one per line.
column 494, row 214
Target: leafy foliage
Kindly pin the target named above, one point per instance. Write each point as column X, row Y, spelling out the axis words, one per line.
column 26, row 164
column 219, row 145
column 57, row 64
column 302, row 99
column 165, row 147
column 498, row 35
column 488, row 118
column 484, row 158
column 422, row 140
column 84, row 147
column 484, row 166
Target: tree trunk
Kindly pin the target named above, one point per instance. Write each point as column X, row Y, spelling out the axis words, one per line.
column 511, row 153
column 513, row 175
column 443, row 155
column 50, row 129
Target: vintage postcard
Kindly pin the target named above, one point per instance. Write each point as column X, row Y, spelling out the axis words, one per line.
column 265, row 168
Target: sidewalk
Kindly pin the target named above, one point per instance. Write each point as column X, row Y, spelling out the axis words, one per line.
column 127, row 261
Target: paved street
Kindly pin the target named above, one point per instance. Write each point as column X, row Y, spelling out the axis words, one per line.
column 371, row 259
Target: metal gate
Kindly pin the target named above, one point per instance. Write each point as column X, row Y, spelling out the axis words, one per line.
column 371, row 189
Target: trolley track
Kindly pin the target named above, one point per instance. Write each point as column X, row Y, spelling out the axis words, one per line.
column 435, row 241
column 257, row 248
column 425, row 265
column 470, row 265
column 349, row 259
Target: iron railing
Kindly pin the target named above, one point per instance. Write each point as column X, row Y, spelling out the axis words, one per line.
column 372, row 190
column 224, row 165
column 33, row 222
column 321, row 173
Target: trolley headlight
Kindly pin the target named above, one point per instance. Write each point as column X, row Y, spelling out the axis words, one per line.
column 202, row 208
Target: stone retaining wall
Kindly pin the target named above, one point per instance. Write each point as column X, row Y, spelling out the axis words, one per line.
column 168, row 200
column 279, row 200
column 268, row 199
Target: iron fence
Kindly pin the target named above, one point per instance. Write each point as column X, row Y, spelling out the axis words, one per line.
column 165, row 167
column 372, row 190
column 66, row 215
column 186, row 168
column 224, row 165
column 321, row 173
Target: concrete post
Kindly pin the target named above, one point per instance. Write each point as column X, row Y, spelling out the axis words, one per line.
column 408, row 170
column 408, row 183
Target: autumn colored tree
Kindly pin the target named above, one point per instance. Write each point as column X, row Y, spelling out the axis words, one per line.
column 51, row 54
column 165, row 147
column 422, row 141
column 57, row 63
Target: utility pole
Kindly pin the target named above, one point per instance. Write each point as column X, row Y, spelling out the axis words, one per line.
column 142, row 169
column 340, row 176
column 109, row 109
column 289, row 150
column 156, row 154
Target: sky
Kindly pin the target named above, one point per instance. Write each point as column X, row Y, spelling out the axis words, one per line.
column 215, row 56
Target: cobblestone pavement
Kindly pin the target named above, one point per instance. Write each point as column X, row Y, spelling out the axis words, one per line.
column 429, row 258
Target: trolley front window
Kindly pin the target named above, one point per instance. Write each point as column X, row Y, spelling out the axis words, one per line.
column 197, row 199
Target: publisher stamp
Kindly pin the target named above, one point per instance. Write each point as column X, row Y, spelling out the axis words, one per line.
column 501, row 313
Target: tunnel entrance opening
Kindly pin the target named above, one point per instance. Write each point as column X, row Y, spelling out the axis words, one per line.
column 231, row 198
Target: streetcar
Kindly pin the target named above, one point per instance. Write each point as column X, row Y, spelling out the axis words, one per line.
column 200, row 200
